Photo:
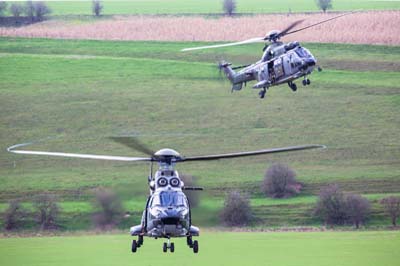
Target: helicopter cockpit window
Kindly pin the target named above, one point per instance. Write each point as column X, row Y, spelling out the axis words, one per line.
column 174, row 198
column 302, row 52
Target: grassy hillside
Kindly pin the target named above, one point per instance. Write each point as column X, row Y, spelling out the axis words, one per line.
column 211, row 6
column 315, row 248
column 81, row 92
column 118, row 7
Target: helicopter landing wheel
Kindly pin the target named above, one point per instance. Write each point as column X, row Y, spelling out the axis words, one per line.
column 304, row 82
column 189, row 241
column 195, row 246
column 308, row 81
column 262, row 93
column 165, row 247
column 293, row 86
column 172, row 247
column 134, row 246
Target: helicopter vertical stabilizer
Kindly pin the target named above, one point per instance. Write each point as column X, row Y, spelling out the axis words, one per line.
column 229, row 72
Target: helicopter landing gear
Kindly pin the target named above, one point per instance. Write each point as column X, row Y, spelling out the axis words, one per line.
column 134, row 246
column 195, row 246
column 137, row 244
column 292, row 86
column 140, row 241
column 192, row 244
column 168, row 245
column 306, row 82
column 262, row 93
column 189, row 241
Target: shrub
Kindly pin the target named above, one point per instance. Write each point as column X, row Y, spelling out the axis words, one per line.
column 41, row 9
column 47, row 211
column 30, row 10
column 97, row 7
column 357, row 209
column 192, row 195
column 324, row 4
column 331, row 205
column 279, row 182
column 109, row 209
column 392, row 208
column 13, row 216
column 16, row 10
column 229, row 7
column 236, row 210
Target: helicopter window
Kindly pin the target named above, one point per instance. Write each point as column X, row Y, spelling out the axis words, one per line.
column 172, row 199
column 302, row 53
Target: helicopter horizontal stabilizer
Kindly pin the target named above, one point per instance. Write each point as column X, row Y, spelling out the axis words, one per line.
column 192, row 188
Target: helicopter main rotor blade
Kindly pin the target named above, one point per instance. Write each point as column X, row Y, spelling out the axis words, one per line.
column 253, row 40
column 288, row 28
column 318, row 23
column 251, row 153
column 133, row 143
column 75, row 155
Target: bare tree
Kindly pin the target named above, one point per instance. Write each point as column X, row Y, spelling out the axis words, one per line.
column 229, row 7
column 16, row 10
column 324, row 4
column 109, row 209
column 331, row 205
column 237, row 210
column 97, row 7
column 14, row 215
column 30, row 10
column 192, row 195
column 47, row 211
column 392, row 208
column 3, row 7
column 41, row 9
column 280, row 182
column 357, row 209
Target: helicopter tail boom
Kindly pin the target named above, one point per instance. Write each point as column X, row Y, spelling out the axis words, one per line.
column 236, row 78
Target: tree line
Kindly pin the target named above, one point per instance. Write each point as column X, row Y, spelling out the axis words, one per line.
column 36, row 10
column 333, row 207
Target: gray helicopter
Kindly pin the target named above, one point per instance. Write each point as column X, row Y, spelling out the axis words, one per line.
column 167, row 213
column 280, row 63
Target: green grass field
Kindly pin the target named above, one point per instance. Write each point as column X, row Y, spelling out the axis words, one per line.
column 82, row 92
column 118, row 7
column 216, row 248
column 212, row 6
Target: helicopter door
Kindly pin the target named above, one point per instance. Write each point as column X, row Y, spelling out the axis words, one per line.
column 278, row 68
column 286, row 60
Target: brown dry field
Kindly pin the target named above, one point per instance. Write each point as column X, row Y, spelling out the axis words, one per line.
column 375, row 27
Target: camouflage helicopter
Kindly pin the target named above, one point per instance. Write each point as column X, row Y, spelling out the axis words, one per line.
column 280, row 63
column 167, row 212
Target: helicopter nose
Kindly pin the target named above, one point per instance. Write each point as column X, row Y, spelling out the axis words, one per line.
column 310, row 62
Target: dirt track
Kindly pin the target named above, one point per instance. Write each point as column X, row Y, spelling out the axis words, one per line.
column 378, row 27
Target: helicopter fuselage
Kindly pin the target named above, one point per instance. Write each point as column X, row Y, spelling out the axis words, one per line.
column 280, row 63
column 167, row 212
